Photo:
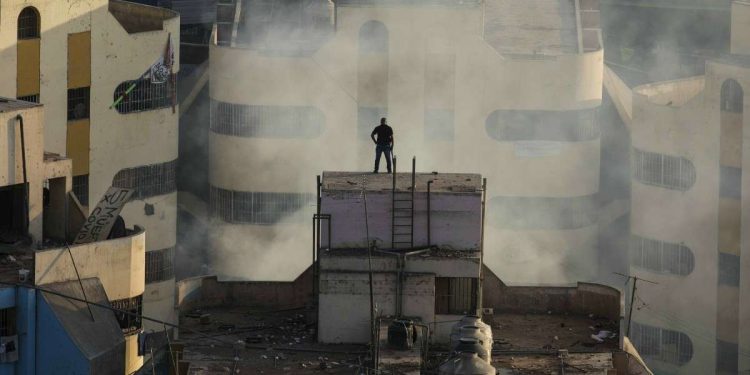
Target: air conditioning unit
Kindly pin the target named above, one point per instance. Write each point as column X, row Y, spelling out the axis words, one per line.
column 8, row 349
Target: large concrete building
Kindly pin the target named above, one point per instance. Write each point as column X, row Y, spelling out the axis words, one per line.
column 505, row 88
column 689, row 224
column 77, row 58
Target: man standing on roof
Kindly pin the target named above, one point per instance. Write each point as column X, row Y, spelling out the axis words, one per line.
column 383, row 143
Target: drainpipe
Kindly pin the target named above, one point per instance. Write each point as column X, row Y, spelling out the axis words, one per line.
column 25, row 178
column 429, row 212
column 481, row 250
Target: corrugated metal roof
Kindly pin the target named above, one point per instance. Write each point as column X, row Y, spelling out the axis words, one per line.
column 195, row 11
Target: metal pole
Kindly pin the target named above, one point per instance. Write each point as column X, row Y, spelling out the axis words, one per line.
column 393, row 206
column 480, row 292
column 80, row 282
column 630, row 311
column 429, row 213
column 413, row 188
column 25, row 178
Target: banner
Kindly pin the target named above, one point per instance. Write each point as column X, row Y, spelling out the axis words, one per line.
column 103, row 216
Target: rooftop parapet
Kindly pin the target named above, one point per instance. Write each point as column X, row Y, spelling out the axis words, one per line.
column 443, row 211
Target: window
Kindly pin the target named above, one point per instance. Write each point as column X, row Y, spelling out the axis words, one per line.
column 142, row 95
column 729, row 269
column 373, row 38
column 256, row 207
column 81, row 188
column 8, row 321
column 732, row 96
column 660, row 256
column 727, row 357
column 267, row 121
column 159, row 265
column 455, row 295
column 562, row 126
column 730, row 185
column 30, row 98
column 28, row 23
column 78, row 103
column 129, row 324
column 662, row 344
column 543, row 212
column 671, row 172
column 148, row 180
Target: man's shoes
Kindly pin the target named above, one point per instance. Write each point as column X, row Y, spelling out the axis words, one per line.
column 374, row 171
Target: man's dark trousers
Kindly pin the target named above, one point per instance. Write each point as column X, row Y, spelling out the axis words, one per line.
column 383, row 149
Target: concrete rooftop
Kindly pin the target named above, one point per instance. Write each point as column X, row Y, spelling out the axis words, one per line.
column 442, row 182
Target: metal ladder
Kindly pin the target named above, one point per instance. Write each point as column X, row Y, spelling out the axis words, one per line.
column 402, row 223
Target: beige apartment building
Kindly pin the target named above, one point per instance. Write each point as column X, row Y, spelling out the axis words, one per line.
column 689, row 223
column 77, row 58
column 504, row 88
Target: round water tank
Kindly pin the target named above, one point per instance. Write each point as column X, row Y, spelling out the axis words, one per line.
column 473, row 320
column 466, row 364
column 472, row 345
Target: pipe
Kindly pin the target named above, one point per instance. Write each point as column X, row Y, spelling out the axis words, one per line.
column 480, row 292
column 25, row 179
column 429, row 212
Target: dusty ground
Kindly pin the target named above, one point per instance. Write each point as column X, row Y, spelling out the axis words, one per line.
column 551, row 332
column 273, row 343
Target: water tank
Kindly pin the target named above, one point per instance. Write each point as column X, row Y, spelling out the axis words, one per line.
column 472, row 332
column 401, row 335
column 466, row 364
column 472, row 345
column 473, row 320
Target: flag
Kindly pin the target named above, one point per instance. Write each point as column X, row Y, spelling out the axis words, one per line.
column 161, row 71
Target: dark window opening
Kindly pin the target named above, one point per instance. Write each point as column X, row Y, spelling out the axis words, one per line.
column 727, row 357
column 730, row 185
column 8, row 321
column 29, row 98
column 28, row 23
column 148, row 180
column 373, row 38
column 143, row 95
column 78, row 103
column 129, row 323
column 729, row 269
column 13, row 213
column 732, row 96
column 159, row 265
column 81, row 188
column 455, row 295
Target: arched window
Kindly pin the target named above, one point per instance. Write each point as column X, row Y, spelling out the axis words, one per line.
column 667, row 171
column 732, row 96
column 28, row 23
column 661, row 256
column 561, row 126
column 373, row 38
column 662, row 344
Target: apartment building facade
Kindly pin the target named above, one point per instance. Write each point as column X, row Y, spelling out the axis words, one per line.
column 506, row 89
column 78, row 59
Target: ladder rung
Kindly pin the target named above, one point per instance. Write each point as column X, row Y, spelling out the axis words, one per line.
column 401, row 225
